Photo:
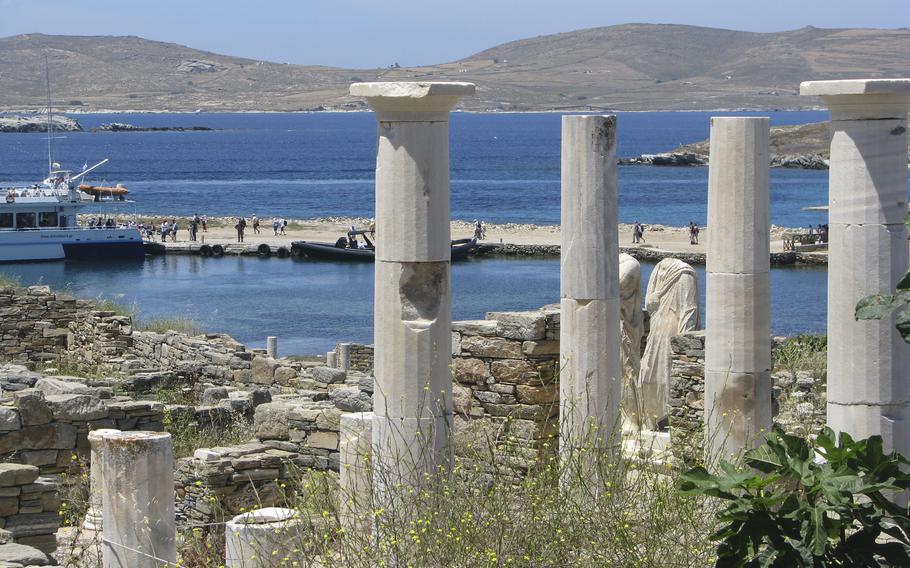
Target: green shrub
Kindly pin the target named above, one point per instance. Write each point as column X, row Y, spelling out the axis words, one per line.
column 178, row 324
column 9, row 281
column 810, row 504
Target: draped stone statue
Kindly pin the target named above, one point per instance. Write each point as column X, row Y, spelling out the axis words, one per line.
column 672, row 304
column 632, row 328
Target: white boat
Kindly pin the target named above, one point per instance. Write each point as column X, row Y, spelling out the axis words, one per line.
column 38, row 224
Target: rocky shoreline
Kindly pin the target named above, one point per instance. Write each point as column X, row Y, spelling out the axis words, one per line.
column 37, row 123
column 123, row 127
column 689, row 159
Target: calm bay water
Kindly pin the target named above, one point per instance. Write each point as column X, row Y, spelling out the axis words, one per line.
column 311, row 305
column 505, row 168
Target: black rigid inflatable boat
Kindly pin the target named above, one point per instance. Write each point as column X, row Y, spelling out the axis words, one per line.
column 461, row 249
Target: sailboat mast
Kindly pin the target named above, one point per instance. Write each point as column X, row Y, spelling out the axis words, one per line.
column 50, row 122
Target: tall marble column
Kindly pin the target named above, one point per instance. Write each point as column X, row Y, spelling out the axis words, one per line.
column 93, row 518
column 868, row 362
column 138, row 500
column 590, row 380
column 738, row 295
column 412, row 336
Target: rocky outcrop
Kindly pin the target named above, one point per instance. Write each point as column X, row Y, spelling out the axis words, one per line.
column 38, row 123
column 666, row 159
column 123, row 127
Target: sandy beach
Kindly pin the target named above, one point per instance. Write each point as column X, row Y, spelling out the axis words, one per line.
column 221, row 231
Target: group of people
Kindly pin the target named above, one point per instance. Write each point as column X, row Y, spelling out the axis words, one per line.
column 820, row 232
column 102, row 223
column 279, row 226
column 480, row 230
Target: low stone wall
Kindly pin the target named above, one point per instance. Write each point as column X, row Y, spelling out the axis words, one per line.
column 35, row 323
column 29, row 506
column 798, row 400
column 292, row 435
column 46, row 426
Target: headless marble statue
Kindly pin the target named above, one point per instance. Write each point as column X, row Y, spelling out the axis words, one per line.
column 672, row 303
column 632, row 328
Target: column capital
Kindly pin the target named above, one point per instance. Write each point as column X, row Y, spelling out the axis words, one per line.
column 412, row 101
column 860, row 99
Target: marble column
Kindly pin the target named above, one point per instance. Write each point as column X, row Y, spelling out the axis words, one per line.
column 93, row 517
column 355, row 474
column 344, row 356
column 738, row 295
column 264, row 538
column 412, row 336
column 590, row 380
column 138, row 500
column 271, row 346
column 868, row 361
column 331, row 359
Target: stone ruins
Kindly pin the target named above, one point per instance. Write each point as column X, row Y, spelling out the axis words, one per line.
column 595, row 369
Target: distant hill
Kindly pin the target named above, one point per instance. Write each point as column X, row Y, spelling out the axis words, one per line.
column 627, row 67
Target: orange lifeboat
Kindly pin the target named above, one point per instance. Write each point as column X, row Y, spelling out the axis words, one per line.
column 98, row 191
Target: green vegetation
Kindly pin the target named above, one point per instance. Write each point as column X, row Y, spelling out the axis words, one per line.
column 821, row 503
column 9, row 281
column 188, row 436
column 179, row 324
column 804, row 352
column 103, row 304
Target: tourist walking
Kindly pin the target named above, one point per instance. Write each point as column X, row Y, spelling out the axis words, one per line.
column 638, row 231
column 174, row 228
column 283, row 224
column 240, row 226
column 255, row 221
column 205, row 224
column 480, row 232
column 693, row 233
column 165, row 229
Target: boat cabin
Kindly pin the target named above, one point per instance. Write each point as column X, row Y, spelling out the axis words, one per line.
column 35, row 208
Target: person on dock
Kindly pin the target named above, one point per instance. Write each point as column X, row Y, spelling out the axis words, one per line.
column 241, row 227
column 174, row 228
column 638, row 231
column 205, row 224
column 275, row 224
column 165, row 229
column 194, row 225
column 255, row 221
column 693, row 233
column 283, row 225
column 479, row 230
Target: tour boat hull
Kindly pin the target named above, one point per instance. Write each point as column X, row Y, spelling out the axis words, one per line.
column 70, row 244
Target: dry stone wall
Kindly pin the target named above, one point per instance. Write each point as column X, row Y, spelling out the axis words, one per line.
column 35, row 323
column 29, row 506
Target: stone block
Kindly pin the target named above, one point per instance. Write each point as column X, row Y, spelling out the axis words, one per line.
column 56, row 385
column 271, row 421
column 76, row 407
column 211, row 395
column 521, row 371
column 324, row 440
column 462, row 398
column 263, row 370
column 526, row 326
column 284, row 375
column 12, row 474
column 492, row 347
column 485, row 328
column 404, row 447
column 9, row 419
column 15, row 554
column 547, row 394
column 467, row 370
column 539, row 348
column 351, row 399
column 57, row 436
column 33, row 409
column 738, row 322
column 328, row 375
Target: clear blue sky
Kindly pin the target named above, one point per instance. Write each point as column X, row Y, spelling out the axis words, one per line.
column 374, row 33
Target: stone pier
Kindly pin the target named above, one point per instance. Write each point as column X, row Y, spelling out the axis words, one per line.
column 138, row 500
column 590, row 382
column 868, row 386
column 93, row 517
column 412, row 401
column 738, row 327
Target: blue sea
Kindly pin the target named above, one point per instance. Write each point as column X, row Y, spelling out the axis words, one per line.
column 505, row 168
